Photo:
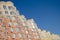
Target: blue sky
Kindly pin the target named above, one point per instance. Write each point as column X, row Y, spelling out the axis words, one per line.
column 46, row 13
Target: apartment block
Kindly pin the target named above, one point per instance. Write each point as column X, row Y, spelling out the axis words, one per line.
column 46, row 35
column 14, row 26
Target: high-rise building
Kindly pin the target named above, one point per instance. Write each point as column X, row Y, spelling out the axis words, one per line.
column 14, row 26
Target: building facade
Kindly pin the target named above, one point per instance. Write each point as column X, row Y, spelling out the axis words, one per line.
column 46, row 35
column 14, row 26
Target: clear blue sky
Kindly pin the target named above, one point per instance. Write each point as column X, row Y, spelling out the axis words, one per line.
column 46, row 13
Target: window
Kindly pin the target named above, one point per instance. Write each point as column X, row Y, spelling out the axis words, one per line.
column 8, row 17
column 4, row 6
column 11, row 29
column 24, row 24
column 6, row 12
column 2, row 16
column 15, row 24
column 37, row 36
column 29, row 36
column 19, row 35
column 11, row 13
column 8, row 37
column 22, row 20
column 14, row 35
column 10, row 24
column 0, row 12
column 3, row 26
column 4, row 33
column 36, row 33
column 13, row 18
column 17, row 29
column 6, row 30
column 26, row 32
column 24, row 36
column 33, row 25
column 10, row 7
